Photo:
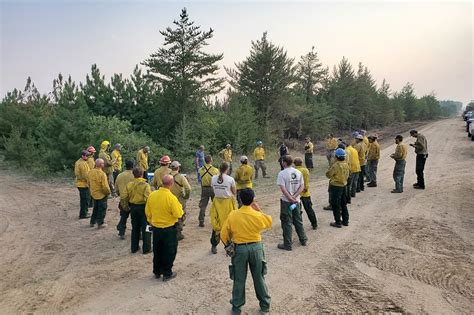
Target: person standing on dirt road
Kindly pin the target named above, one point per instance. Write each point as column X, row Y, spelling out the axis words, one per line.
column 243, row 177
column 116, row 156
column 399, row 170
column 338, row 174
column 121, row 185
column 134, row 197
column 308, row 153
column 373, row 157
column 91, row 162
column 100, row 190
column 283, row 150
column 259, row 158
column 161, row 172
column 291, row 185
column 421, row 150
column 206, row 172
column 182, row 190
column 108, row 164
column 81, row 170
column 163, row 211
column 199, row 161
column 226, row 156
column 142, row 160
column 243, row 228
column 361, row 152
column 331, row 146
column 306, row 194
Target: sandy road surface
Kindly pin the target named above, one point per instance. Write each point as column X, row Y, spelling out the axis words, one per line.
column 410, row 252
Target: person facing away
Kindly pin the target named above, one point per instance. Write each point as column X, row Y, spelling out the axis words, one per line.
column 259, row 158
column 361, row 151
column 121, row 185
column 163, row 211
column 161, row 172
column 222, row 204
column 206, row 172
column 226, row 156
column 354, row 165
column 306, row 194
column 399, row 170
column 243, row 228
column 291, row 185
column 100, row 190
column 91, row 162
column 421, row 150
column 331, row 146
column 81, row 170
column 282, row 150
column 134, row 197
column 243, row 177
column 373, row 157
column 308, row 153
column 142, row 160
column 116, row 156
column 199, row 161
column 182, row 190
column 338, row 174
column 108, row 164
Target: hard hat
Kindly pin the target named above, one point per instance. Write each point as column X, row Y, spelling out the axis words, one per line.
column 243, row 158
column 91, row 149
column 259, row 142
column 105, row 143
column 175, row 164
column 340, row 153
column 228, row 145
column 117, row 146
column 85, row 153
column 360, row 137
column 355, row 134
column 165, row 160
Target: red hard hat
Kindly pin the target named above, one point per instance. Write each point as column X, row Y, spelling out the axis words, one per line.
column 165, row 160
column 91, row 149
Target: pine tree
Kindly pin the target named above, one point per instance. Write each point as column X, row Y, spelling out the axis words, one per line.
column 310, row 75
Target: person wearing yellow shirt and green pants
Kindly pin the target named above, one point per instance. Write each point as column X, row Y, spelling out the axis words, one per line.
column 161, row 172
column 135, row 197
column 226, row 156
column 108, row 164
column 100, row 190
column 259, row 158
column 399, row 170
column 338, row 175
column 182, row 190
column 243, row 177
column 206, row 172
column 362, row 152
column 121, row 185
column 352, row 158
column 81, row 170
column 142, row 160
column 306, row 195
column 116, row 156
column 331, row 146
column 373, row 157
column 243, row 228
column 308, row 153
column 163, row 211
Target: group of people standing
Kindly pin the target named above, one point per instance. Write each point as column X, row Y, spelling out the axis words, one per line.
column 157, row 206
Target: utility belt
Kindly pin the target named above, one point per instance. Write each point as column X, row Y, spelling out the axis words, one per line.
column 245, row 244
column 166, row 228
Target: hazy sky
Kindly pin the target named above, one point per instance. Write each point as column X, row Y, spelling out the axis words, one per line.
column 427, row 43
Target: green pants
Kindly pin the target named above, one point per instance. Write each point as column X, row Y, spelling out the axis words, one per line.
column 206, row 193
column 252, row 256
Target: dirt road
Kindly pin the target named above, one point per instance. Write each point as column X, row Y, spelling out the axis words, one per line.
column 410, row 252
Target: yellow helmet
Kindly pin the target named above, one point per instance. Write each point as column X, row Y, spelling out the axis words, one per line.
column 104, row 144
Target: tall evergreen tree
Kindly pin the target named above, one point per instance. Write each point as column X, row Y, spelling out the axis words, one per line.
column 310, row 75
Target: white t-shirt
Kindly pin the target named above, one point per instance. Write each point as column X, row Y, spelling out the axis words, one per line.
column 222, row 189
column 292, row 180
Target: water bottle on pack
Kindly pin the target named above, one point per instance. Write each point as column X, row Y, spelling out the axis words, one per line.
column 293, row 206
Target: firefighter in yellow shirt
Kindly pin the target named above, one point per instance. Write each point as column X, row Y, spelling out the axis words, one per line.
column 331, row 146
column 338, row 175
column 161, row 171
column 243, row 177
column 206, row 172
column 81, row 170
column 163, row 211
column 135, row 197
column 116, row 156
column 243, row 228
column 108, row 164
column 121, row 185
column 362, row 152
column 308, row 153
column 373, row 157
column 399, row 170
column 142, row 160
column 306, row 195
column 226, row 156
column 182, row 190
column 100, row 190
column 259, row 158
column 91, row 162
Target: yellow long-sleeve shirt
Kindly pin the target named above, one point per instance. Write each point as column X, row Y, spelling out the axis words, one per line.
column 181, row 187
column 206, row 172
column 142, row 159
column 122, row 181
column 226, row 155
column 243, row 176
column 117, row 156
column 245, row 225
column 163, row 209
column 108, row 168
column 366, row 141
column 305, row 173
column 400, row 152
column 98, row 184
column 374, row 151
column 158, row 176
column 308, row 147
column 91, row 161
column 338, row 174
column 331, row 144
column 259, row 154
column 81, row 170
column 362, row 151
column 353, row 155
column 137, row 192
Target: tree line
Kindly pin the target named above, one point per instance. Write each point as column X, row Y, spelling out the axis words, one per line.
column 177, row 100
